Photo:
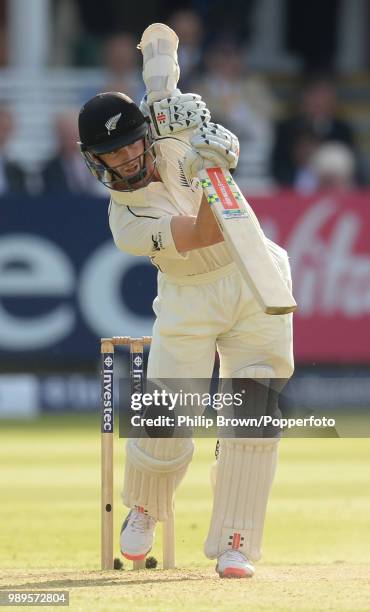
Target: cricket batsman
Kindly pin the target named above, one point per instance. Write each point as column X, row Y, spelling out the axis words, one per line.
column 148, row 158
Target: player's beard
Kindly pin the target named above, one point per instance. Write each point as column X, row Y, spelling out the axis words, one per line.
column 149, row 164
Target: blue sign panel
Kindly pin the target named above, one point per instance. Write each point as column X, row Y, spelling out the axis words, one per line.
column 63, row 282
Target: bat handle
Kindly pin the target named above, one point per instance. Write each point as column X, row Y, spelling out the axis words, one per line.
column 161, row 70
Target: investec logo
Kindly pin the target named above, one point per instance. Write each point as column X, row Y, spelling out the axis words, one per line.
column 107, row 391
column 137, row 374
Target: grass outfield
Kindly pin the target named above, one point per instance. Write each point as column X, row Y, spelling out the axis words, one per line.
column 316, row 546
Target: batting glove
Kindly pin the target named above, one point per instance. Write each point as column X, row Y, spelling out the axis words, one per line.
column 177, row 113
column 212, row 146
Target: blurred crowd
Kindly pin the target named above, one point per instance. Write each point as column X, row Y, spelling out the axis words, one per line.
column 302, row 143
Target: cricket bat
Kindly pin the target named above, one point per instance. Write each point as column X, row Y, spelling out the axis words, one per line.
column 235, row 217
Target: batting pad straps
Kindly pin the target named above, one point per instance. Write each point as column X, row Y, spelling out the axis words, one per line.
column 245, row 472
column 154, row 469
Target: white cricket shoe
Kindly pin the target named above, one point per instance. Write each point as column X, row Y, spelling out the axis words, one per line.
column 137, row 534
column 233, row 564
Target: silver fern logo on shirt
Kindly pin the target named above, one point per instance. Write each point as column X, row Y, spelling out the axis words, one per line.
column 182, row 176
column 111, row 124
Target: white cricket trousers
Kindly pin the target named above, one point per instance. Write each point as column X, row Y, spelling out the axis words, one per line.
column 197, row 315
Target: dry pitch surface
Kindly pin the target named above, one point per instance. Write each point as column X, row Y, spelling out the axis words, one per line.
column 303, row 587
column 317, row 539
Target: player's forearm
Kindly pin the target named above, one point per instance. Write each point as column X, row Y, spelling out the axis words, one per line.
column 206, row 225
column 190, row 233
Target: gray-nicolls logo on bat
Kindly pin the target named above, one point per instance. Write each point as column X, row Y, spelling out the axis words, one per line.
column 111, row 124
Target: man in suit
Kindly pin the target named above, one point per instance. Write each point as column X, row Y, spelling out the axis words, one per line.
column 66, row 171
column 317, row 115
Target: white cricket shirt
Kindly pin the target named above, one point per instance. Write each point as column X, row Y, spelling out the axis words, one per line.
column 140, row 220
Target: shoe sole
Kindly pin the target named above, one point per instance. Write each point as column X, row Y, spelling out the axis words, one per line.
column 235, row 572
column 135, row 557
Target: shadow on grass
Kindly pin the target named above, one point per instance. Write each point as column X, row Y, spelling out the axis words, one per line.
column 103, row 581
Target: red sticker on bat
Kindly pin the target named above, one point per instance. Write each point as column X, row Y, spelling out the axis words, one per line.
column 218, row 180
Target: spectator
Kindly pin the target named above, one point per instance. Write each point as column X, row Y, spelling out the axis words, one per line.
column 13, row 179
column 122, row 62
column 189, row 29
column 244, row 104
column 66, row 171
column 318, row 114
column 333, row 165
column 121, row 68
column 304, row 146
